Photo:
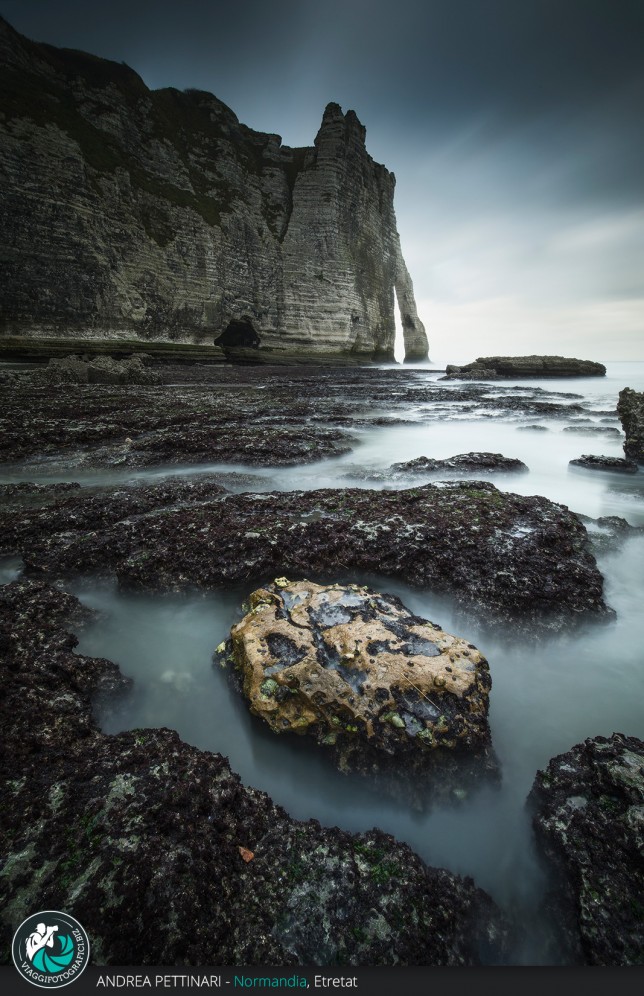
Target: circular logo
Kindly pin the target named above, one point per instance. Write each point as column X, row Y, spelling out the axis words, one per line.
column 50, row 949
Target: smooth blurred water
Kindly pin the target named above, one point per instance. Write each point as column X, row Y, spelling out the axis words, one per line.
column 547, row 695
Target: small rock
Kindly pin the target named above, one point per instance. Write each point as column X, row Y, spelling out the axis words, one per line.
column 478, row 462
column 593, row 430
column 592, row 462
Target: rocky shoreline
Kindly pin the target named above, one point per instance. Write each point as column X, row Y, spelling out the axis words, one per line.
column 141, row 817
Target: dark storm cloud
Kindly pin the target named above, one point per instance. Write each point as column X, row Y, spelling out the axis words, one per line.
column 440, row 60
column 513, row 126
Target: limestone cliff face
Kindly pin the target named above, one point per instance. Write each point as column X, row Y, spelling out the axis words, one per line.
column 130, row 213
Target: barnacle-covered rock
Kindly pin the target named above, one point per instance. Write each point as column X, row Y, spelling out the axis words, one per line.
column 385, row 689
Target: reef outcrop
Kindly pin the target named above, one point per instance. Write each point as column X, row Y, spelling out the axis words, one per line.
column 97, row 370
column 588, row 809
column 166, row 858
column 501, row 367
column 155, row 215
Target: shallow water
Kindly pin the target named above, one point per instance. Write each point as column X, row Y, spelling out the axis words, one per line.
column 546, row 695
column 546, row 453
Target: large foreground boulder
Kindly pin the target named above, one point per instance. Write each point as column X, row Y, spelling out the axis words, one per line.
column 492, row 367
column 630, row 409
column 589, row 821
column 167, row 859
column 388, row 692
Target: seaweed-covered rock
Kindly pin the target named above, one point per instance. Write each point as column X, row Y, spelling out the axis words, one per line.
column 630, row 409
column 146, row 840
column 589, row 821
column 477, row 462
column 617, row 464
column 354, row 668
column 502, row 556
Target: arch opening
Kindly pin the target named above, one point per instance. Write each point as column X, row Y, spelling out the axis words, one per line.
column 399, row 340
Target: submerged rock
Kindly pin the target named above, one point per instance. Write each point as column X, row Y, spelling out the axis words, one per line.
column 589, row 821
column 478, row 462
column 630, row 409
column 592, row 462
column 593, row 430
column 608, row 532
column 488, row 367
column 145, row 839
column 383, row 688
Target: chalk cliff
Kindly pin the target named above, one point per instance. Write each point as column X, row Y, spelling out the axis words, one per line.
column 128, row 213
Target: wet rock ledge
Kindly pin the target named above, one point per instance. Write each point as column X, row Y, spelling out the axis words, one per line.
column 167, row 859
column 502, row 556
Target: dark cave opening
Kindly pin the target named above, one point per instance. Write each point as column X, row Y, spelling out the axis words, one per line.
column 239, row 333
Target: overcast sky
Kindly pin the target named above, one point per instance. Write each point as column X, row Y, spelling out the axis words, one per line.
column 515, row 129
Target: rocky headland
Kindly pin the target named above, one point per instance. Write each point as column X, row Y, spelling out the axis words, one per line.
column 156, row 216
